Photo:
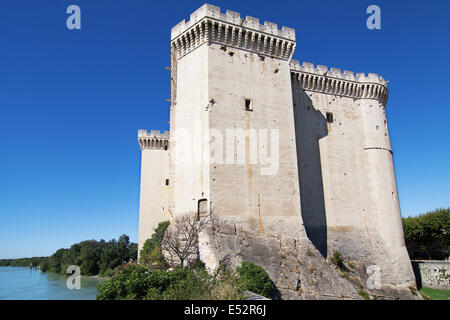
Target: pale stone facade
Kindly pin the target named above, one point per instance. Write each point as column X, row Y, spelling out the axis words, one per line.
column 334, row 181
column 153, row 206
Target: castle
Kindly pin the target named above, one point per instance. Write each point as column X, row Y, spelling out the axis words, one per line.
column 274, row 146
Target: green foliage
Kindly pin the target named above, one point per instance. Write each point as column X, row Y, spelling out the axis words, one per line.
column 139, row 282
column 364, row 294
column 413, row 290
column 23, row 262
column 427, row 236
column 151, row 250
column 435, row 294
column 93, row 257
column 254, row 278
column 338, row 260
column 129, row 283
column 199, row 265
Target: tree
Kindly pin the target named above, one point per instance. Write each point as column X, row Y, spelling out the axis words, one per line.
column 180, row 241
column 93, row 257
column 151, row 250
column 255, row 279
column 427, row 236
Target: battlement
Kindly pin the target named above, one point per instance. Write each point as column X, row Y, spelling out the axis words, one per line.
column 333, row 81
column 211, row 11
column 336, row 73
column 208, row 25
column 153, row 140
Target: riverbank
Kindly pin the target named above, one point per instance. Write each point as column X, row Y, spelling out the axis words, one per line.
column 97, row 277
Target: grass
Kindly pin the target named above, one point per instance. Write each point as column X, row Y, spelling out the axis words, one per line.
column 364, row 294
column 435, row 294
column 338, row 261
column 413, row 290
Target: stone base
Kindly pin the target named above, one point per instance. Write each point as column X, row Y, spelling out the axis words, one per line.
column 296, row 267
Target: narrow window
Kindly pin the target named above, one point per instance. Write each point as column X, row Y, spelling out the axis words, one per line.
column 248, row 105
column 202, row 209
column 167, row 182
column 329, row 117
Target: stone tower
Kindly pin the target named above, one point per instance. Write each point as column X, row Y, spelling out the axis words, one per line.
column 347, row 180
column 231, row 84
column 153, row 206
column 273, row 146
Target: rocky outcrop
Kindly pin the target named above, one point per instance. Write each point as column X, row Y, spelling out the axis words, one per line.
column 296, row 267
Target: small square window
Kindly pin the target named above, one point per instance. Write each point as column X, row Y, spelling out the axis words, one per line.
column 167, row 182
column 248, row 105
column 329, row 117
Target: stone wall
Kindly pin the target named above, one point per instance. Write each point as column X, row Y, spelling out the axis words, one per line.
column 261, row 194
column 432, row 274
column 154, row 188
column 349, row 199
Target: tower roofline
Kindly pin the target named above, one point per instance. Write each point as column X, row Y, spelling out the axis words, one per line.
column 213, row 12
column 333, row 81
column 208, row 25
column 153, row 139
column 336, row 73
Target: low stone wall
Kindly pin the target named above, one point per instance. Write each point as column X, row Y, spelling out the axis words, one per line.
column 432, row 273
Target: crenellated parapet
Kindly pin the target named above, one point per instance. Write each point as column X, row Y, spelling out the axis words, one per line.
column 153, row 140
column 335, row 82
column 209, row 25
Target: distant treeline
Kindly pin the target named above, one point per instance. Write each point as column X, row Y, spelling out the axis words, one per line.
column 427, row 236
column 22, row 262
column 93, row 257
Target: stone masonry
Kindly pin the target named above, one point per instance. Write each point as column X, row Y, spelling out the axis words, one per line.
column 310, row 160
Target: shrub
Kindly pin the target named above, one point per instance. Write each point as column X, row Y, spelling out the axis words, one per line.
column 338, row 260
column 151, row 250
column 255, row 279
column 138, row 282
column 130, row 283
column 191, row 285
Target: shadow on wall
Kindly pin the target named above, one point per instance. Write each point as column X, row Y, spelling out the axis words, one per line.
column 417, row 274
column 310, row 126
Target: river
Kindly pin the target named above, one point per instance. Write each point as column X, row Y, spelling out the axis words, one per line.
column 17, row 283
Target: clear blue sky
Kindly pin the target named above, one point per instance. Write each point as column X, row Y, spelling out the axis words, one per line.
column 71, row 103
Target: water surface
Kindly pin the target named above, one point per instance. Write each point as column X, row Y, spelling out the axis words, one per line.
column 19, row 283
